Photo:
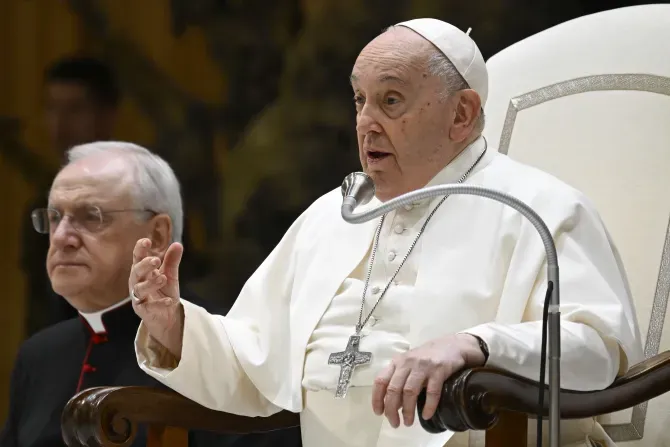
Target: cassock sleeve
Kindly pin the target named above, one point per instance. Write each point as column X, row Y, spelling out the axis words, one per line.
column 599, row 333
column 240, row 363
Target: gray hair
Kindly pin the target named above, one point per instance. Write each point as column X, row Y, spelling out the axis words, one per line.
column 439, row 65
column 155, row 185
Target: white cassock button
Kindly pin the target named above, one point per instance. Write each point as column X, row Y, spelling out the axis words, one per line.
column 409, row 207
column 391, row 255
column 375, row 290
column 399, row 229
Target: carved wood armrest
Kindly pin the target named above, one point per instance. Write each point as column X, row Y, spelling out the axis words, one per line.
column 474, row 398
column 110, row 416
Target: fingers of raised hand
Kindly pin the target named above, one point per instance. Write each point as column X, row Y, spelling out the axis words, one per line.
column 145, row 267
column 144, row 270
column 149, row 288
column 172, row 260
column 141, row 250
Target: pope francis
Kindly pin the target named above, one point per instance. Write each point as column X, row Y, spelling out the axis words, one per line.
column 435, row 286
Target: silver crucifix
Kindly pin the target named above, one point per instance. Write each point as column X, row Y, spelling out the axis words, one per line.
column 348, row 359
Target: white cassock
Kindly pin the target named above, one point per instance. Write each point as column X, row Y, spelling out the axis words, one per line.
column 478, row 268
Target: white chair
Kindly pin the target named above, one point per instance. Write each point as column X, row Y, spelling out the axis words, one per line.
column 589, row 102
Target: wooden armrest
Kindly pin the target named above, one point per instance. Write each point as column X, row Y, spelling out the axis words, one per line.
column 474, row 398
column 471, row 400
column 110, row 415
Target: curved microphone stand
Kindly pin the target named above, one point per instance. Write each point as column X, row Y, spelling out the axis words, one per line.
column 358, row 189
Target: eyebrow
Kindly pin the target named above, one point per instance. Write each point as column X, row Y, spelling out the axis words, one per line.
column 383, row 78
column 82, row 204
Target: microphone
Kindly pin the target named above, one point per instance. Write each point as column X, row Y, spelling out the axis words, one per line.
column 358, row 188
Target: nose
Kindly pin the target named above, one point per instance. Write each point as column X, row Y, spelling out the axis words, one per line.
column 366, row 120
column 64, row 234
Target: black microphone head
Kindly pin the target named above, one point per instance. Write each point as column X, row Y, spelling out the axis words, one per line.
column 359, row 186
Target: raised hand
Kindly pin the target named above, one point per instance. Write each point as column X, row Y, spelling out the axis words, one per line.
column 154, row 286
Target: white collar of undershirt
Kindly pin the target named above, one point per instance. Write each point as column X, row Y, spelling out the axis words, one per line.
column 94, row 319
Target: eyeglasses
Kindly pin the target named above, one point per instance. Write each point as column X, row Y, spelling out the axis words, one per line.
column 88, row 218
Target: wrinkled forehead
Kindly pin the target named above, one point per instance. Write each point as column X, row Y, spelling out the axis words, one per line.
column 92, row 182
column 398, row 55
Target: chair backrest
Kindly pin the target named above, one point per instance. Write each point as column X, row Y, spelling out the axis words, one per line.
column 589, row 102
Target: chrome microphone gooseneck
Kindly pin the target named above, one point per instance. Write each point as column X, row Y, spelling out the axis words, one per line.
column 358, row 189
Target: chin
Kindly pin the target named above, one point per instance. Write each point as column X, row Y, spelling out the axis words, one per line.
column 65, row 290
column 68, row 285
column 377, row 177
column 386, row 194
column 383, row 194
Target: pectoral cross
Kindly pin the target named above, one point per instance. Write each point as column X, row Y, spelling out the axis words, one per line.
column 348, row 360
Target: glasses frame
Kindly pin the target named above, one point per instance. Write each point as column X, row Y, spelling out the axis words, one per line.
column 78, row 226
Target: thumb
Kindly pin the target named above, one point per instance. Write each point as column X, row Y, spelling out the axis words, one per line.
column 170, row 267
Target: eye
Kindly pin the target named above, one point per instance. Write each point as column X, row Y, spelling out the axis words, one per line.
column 53, row 216
column 359, row 100
column 88, row 214
column 391, row 100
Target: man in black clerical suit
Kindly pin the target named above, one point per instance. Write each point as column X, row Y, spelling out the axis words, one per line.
column 109, row 195
column 81, row 103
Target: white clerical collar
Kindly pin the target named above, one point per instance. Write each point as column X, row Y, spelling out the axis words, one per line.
column 94, row 319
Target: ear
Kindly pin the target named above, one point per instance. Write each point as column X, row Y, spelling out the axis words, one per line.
column 160, row 233
column 466, row 112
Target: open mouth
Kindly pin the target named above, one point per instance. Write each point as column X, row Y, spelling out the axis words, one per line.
column 374, row 156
